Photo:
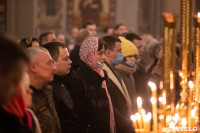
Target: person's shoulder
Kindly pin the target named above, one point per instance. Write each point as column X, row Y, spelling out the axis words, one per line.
column 47, row 88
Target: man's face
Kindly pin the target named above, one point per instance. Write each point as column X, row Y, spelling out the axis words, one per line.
column 122, row 29
column 44, row 67
column 140, row 47
column 63, row 63
column 92, row 29
column 51, row 38
column 117, row 49
column 74, row 32
column 61, row 38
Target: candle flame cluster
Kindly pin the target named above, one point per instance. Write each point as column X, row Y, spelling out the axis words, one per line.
column 141, row 121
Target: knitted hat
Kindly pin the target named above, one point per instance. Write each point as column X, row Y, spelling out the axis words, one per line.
column 128, row 48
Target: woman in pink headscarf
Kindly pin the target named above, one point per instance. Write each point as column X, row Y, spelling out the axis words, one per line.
column 99, row 117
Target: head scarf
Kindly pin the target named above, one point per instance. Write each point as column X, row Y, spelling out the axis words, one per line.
column 15, row 106
column 87, row 53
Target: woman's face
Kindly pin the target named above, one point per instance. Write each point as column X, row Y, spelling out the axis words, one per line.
column 100, row 55
column 131, row 58
column 26, row 91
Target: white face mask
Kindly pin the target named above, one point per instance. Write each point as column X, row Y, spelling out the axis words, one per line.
column 99, row 64
column 131, row 64
column 138, row 60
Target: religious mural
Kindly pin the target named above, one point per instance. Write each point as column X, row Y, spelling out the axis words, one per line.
column 49, row 15
column 102, row 12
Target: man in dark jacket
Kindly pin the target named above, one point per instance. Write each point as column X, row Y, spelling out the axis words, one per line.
column 41, row 72
column 63, row 101
column 116, row 87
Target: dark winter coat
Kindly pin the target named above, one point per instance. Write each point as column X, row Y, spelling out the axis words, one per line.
column 95, row 113
column 11, row 124
column 64, row 106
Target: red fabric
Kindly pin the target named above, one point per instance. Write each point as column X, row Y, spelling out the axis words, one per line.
column 16, row 107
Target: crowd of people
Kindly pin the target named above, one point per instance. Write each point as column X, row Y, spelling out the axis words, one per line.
column 80, row 83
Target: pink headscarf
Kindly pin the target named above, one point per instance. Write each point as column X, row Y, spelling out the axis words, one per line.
column 87, row 53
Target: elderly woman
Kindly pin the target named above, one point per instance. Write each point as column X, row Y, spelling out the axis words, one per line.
column 98, row 114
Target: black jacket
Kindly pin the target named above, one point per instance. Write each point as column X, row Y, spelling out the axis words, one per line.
column 64, row 106
column 95, row 113
column 11, row 124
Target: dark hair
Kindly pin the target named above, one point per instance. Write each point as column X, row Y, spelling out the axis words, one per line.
column 88, row 23
column 110, row 41
column 10, row 55
column 53, row 48
column 105, row 30
column 101, row 43
column 131, row 36
column 27, row 42
column 43, row 36
column 119, row 25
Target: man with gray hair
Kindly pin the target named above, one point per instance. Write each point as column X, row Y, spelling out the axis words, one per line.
column 41, row 72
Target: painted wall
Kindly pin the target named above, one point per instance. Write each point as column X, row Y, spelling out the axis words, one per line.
column 24, row 17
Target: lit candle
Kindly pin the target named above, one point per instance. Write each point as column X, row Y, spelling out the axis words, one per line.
column 139, row 104
column 138, row 118
column 145, row 120
column 134, row 122
column 176, row 118
column 172, row 126
column 168, row 119
column 149, row 121
column 154, row 110
column 191, row 86
column 192, row 120
column 184, row 123
column 153, row 89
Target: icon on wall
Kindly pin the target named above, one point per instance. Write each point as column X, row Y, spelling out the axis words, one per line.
column 102, row 12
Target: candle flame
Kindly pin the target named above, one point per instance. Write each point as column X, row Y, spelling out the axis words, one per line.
column 168, row 118
column 143, row 111
column 139, row 101
column 138, row 117
column 161, row 85
column 161, row 117
column 152, row 85
column 184, row 122
column 149, row 116
column 176, row 117
column 193, row 112
column 191, row 85
column 145, row 118
column 198, row 15
column 153, row 100
column 133, row 118
column 160, row 99
column 171, row 124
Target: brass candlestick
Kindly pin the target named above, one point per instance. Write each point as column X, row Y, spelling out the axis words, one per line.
column 169, row 56
column 196, row 91
column 186, row 53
